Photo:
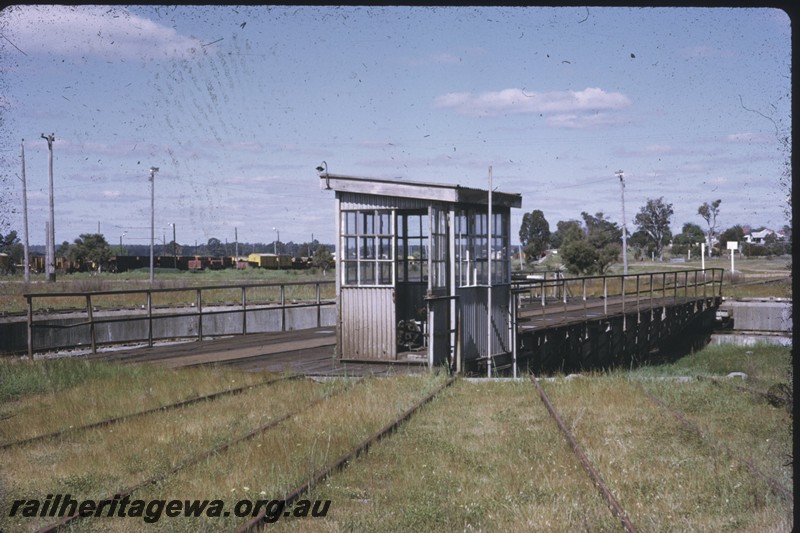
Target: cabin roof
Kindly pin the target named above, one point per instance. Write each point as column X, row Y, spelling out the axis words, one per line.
column 424, row 191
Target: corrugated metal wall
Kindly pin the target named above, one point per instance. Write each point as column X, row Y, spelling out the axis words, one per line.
column 368, row 318
column 473, row 302
column 368, row 201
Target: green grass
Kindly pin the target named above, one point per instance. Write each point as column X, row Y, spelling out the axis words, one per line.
column 762, row 363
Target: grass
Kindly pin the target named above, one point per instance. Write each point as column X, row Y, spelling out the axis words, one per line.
column 483, row 456
column 44, row 396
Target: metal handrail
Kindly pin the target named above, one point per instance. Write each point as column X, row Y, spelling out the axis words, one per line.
column 242, row 308
column 646, row 285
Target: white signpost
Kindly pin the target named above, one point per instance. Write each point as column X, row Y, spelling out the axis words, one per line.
column 732, row 246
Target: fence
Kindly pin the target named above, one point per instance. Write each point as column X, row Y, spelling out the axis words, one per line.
column 167, row 308
column 628, row 290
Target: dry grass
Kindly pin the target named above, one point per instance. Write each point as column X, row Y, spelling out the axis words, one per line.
column 665, row 477
column 97, row 463
column 121, row 391
column 483, row 456
column 275, row 462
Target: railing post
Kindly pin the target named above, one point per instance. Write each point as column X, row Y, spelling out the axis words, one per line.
column 30, row 326
column 319, row 306
column 149, row 318
column 283, row 308
column 199, row 315
column 584, row 296
column 675, row 288
column 91, row 321
column 244, row 310
column 638, row 298
column 605, row 295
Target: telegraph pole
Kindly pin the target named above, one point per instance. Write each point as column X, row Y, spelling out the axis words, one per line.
column 619, row 174
column 153, row 171
column 51, row 236
column 489, row 230
column 27, row 269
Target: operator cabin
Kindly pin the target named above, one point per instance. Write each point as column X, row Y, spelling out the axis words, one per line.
column 413, row 272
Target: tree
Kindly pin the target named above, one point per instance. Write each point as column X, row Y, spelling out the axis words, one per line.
column 90, row 249
column 709, row 213
column 732, row 234
column 653, row 220
column 579, row 256
column 215, row 248
column 323, row 259
column 690, row 235
column 10, row 245
column 641, row 243
column 604, row 236
column 534, row 234
column 590, row 250
column 566, row 230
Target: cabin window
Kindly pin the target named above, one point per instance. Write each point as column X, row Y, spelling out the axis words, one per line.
column 472, row 248
column 367, row 248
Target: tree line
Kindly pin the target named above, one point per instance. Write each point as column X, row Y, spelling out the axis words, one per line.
column 593, row 244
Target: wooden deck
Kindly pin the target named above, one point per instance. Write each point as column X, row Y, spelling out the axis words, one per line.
column 307, row 352
column 532, row 315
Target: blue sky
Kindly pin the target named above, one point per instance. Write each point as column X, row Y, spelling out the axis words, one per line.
column 238, row 105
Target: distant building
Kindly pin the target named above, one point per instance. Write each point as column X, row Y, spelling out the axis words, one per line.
column 759, row 237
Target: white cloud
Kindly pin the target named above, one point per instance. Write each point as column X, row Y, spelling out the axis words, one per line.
column 99, row 31
column 566, row 108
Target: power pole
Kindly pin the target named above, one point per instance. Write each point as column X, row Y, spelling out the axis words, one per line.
column 489, row 230
column 27, row 269
column 153, row 171
column 619, row 174
column 174, row 248
column 51, row 236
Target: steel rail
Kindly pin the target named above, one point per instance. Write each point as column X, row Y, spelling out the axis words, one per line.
column 57, row 526
column 345, row 458
column 773, row 483
column 167, row 407
column 771, row 397
column 611, row 501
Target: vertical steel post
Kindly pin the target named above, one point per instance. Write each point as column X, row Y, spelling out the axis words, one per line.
column 283, row 308
column 149, row 318
column 30, row 326
column 319, row 306
column 91, row 321
column 199, row 315
column 244, row 310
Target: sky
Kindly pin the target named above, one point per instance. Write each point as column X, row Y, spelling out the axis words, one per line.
column 237, row 106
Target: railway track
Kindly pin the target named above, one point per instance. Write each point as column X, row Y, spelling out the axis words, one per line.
column 61, row 524
column 343, row 460
column 776, row 486
column 612, row 502
column 167, row 407
column 290, row 497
